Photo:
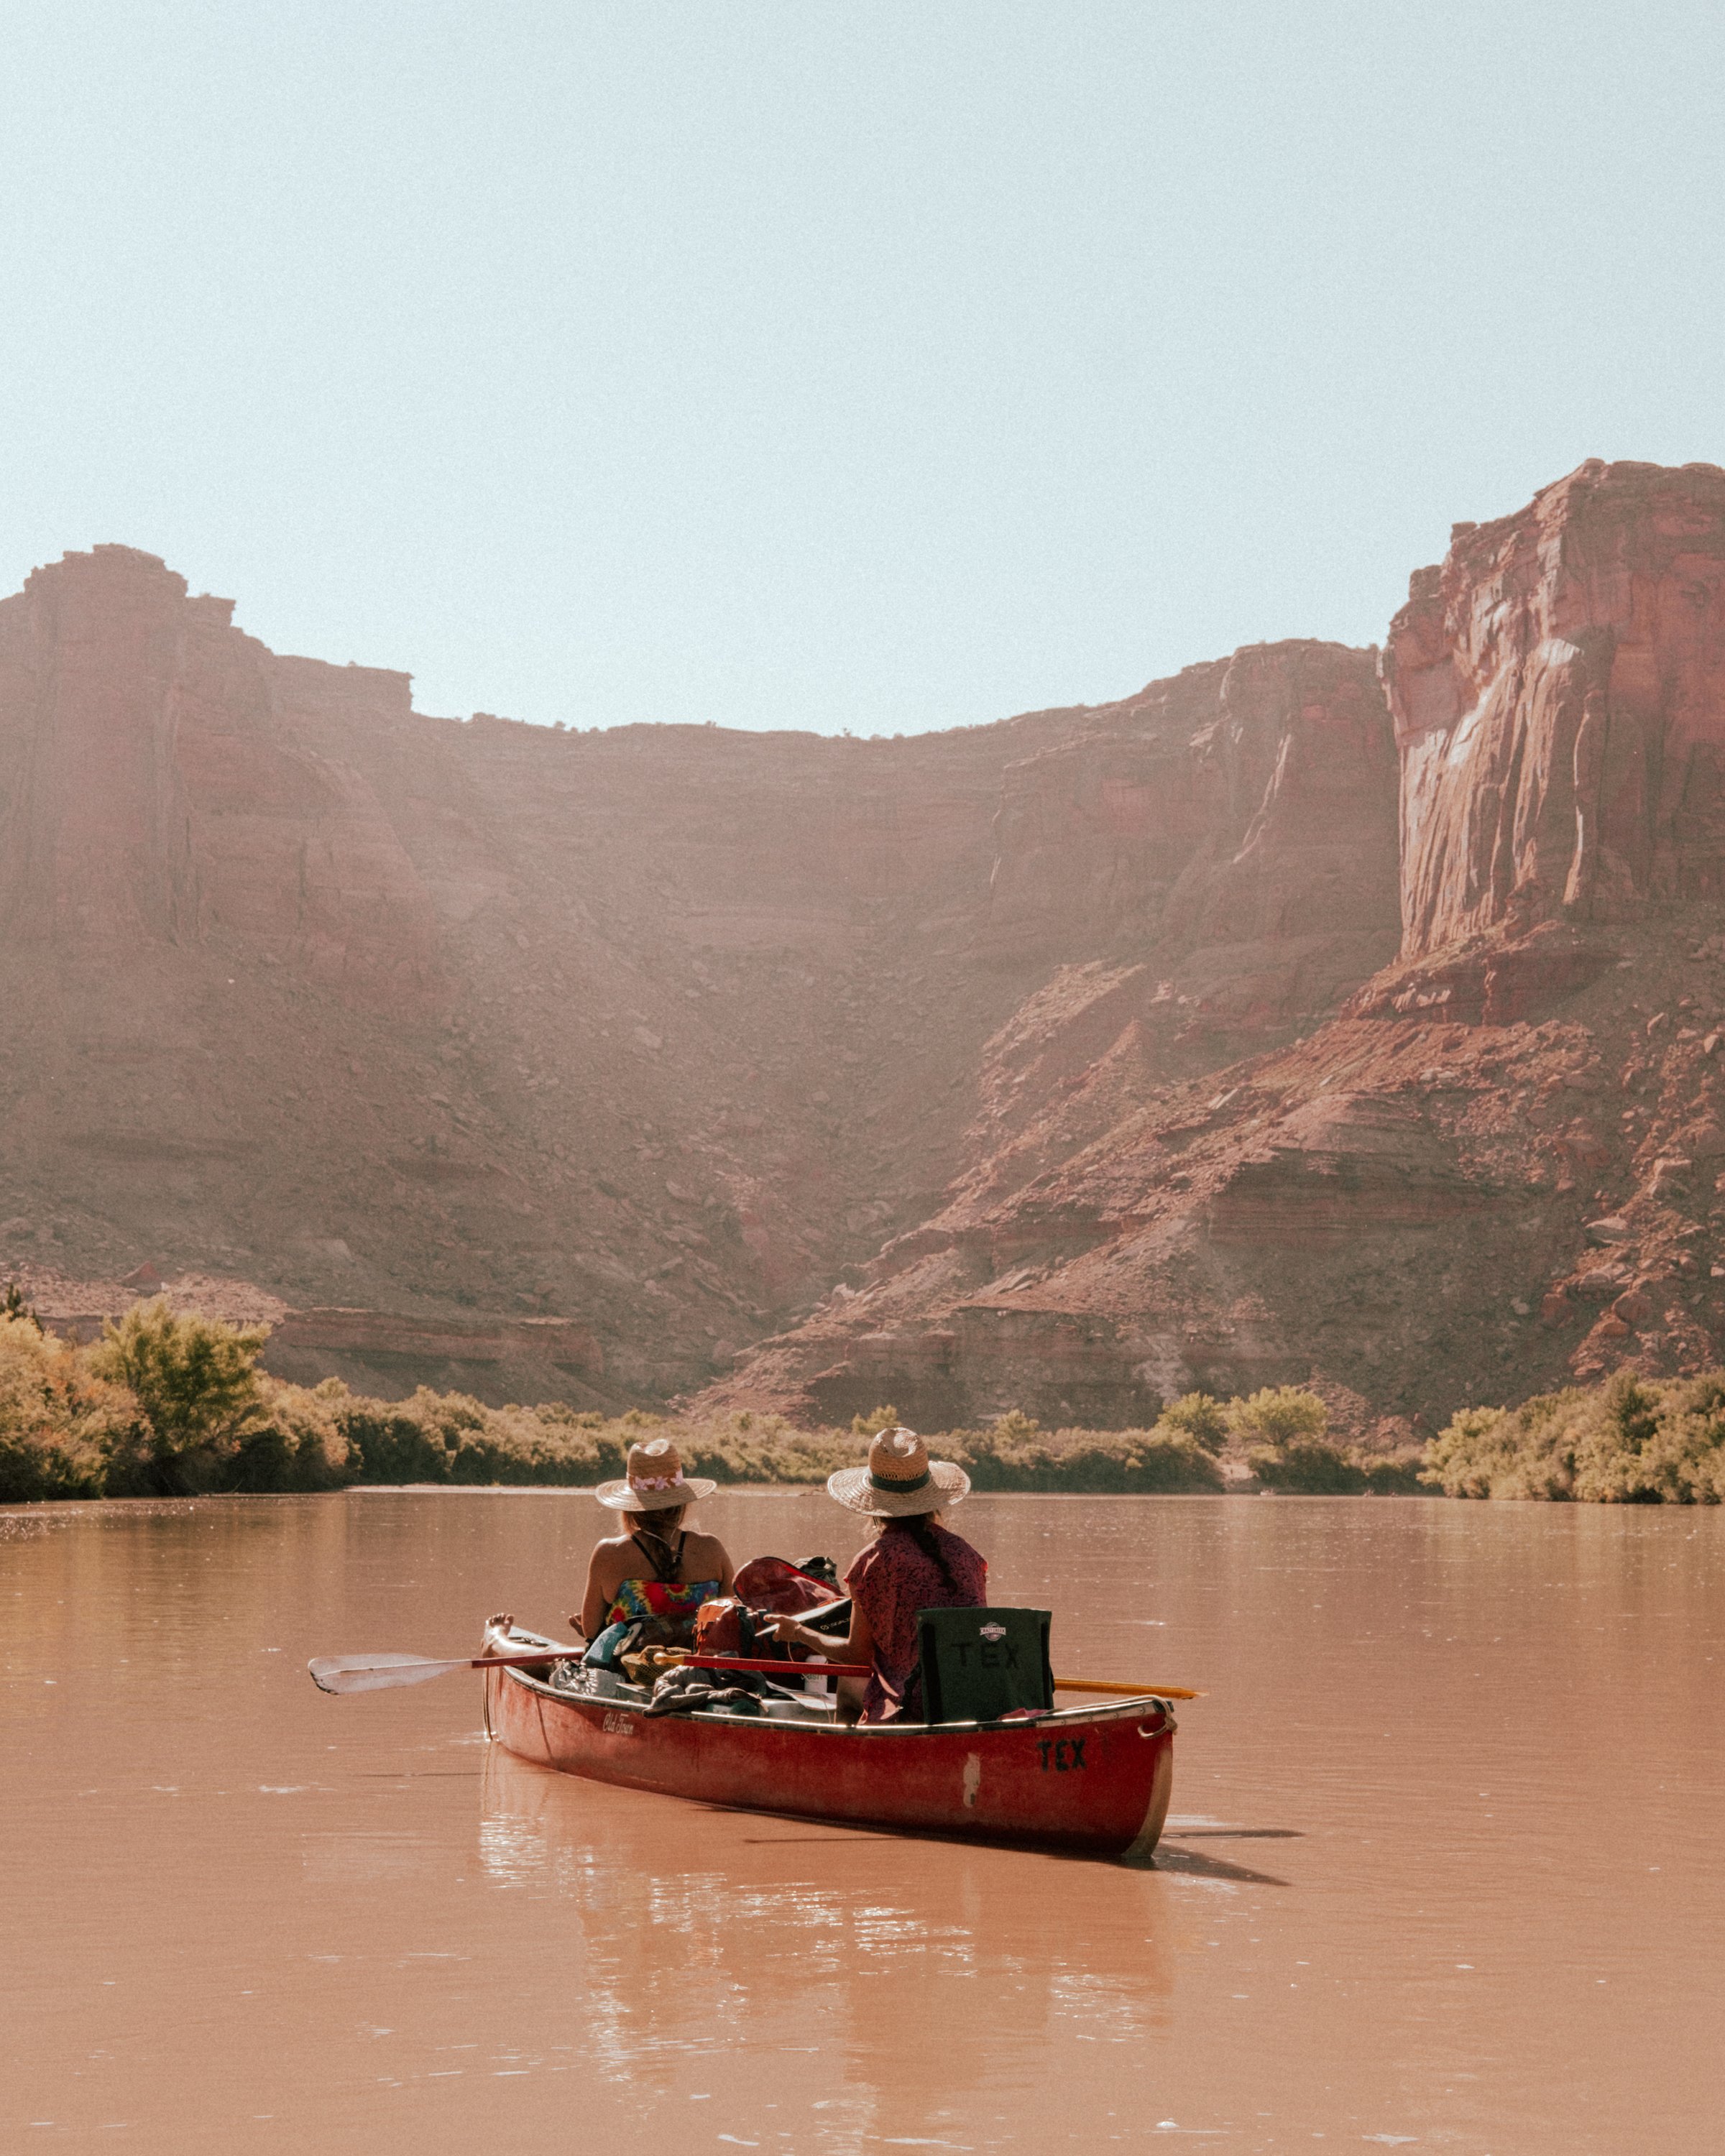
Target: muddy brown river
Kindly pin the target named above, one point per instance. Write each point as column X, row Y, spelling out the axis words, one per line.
column 1445, row 1868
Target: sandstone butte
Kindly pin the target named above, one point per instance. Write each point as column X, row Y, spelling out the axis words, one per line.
column 1315, row 1015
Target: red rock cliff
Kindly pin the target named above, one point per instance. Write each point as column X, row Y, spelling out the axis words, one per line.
column 1496, row 1168
column 658, row 1029
column 1227, row 836
column 1559, row 688
column 1057, row 1044
column 161, row 788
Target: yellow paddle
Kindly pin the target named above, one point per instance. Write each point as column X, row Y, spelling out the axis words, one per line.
column 1124, row 1690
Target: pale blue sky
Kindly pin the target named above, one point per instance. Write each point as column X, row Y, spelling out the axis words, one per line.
column 873, row 365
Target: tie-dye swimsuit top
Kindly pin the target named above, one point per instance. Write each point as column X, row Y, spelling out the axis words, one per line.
column 660, row 1597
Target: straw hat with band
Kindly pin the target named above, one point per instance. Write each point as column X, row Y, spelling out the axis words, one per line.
column 655, row 1481
column 900, row 1480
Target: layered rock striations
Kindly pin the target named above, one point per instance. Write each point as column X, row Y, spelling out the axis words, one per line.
column 1203, row 869
column 1292, row 1020
column 1558, row 687
column 161, row 786
column 1245, row 801
column 653, row 1030
column 1404, row 1204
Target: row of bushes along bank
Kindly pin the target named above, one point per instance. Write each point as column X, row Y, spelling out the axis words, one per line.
column 1631, row 1440
column 167, row 1403
column 170, row 1403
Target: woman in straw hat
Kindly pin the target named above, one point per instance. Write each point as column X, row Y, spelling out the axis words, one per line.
column 656, row 1574
column 913, row 1563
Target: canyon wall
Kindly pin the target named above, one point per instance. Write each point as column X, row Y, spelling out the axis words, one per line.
column 158, row 785
column 418, row 1023
column 1302, row 1017
column 1493, row 1169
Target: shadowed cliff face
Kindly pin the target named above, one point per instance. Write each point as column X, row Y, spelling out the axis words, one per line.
column 1211, row 863
column 1241, row 801
column 654, row 1031
column 161, row 786
column 1559, row 688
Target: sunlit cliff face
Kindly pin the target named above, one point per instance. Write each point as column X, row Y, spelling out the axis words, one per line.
column 1558, row 689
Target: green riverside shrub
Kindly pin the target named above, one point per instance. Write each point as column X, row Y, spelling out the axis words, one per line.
column 1277, row 1416
column 170, row 1402
column 1310, row 1466
column 1015, row 1454
column 196, row 1380
column 1395, row 1476
column 1631, row 1440
column 292, row 1440
column 60, row 1426
column 1196, row 1415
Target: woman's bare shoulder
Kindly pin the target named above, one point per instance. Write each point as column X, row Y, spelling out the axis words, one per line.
column 699, row 1545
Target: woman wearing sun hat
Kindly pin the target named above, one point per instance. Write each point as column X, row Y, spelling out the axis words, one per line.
column 913, row 1563
column 655, row 1574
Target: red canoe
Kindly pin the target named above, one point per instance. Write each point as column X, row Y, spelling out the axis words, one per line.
column 1094, row 1779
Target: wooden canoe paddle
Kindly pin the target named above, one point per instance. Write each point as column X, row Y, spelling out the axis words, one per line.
column 349, row 1673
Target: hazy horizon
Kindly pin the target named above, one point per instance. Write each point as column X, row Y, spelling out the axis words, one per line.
column 849, row 368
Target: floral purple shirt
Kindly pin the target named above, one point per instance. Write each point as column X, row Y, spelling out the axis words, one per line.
column 890, row 1581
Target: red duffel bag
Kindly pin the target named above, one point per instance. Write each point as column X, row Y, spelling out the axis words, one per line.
column 766, row 1587
column 782, row 1589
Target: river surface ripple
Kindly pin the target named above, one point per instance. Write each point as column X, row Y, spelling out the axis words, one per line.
column 1444, row 1868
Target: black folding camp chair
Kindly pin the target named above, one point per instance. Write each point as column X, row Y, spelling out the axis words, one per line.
column 979, row 1663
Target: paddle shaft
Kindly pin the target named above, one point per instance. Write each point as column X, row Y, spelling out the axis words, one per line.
column 359, row 1673
column 1124, row 1690
column 771, row 1669
column 351, row 1673
column 851, row 1670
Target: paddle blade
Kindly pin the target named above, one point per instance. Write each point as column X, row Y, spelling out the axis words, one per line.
column 343, row 1673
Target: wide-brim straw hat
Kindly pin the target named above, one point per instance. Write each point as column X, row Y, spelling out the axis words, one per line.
column 899, row 1479
column 655, row 1481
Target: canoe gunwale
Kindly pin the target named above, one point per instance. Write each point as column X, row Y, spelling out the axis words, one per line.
column 1124, row 1710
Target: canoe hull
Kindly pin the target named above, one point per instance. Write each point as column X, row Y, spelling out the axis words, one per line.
column 1091, row 1779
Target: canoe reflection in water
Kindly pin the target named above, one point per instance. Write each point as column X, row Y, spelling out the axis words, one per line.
column 695, row 1929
